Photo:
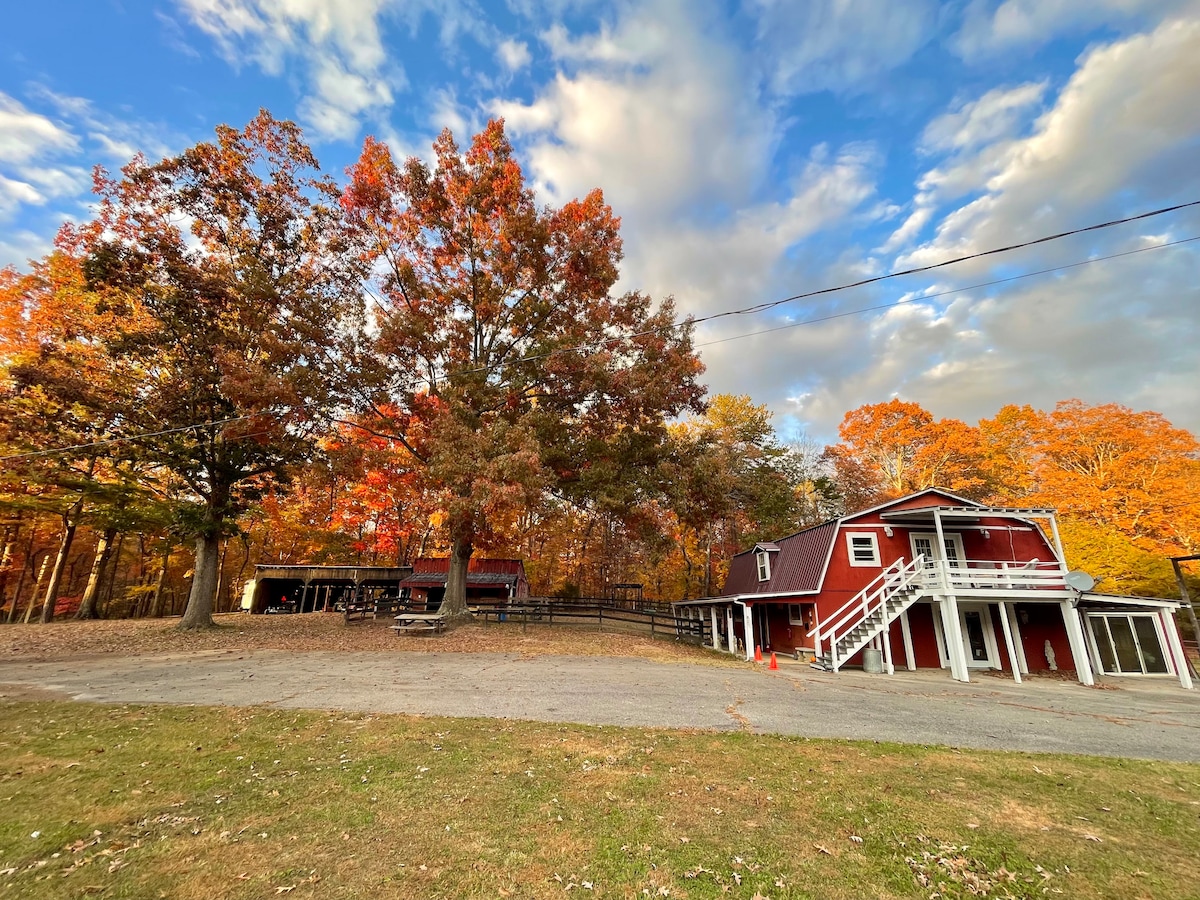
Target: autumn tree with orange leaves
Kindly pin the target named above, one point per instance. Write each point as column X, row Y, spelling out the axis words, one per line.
column 502, row 362
column 893, row 448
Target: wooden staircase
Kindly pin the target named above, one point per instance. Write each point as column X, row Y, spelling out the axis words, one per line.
column 869, row 613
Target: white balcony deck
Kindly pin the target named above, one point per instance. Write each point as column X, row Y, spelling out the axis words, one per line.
column 996, row 580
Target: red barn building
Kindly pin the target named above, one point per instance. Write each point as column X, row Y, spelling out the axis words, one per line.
column 932, row 580
column 489, row 581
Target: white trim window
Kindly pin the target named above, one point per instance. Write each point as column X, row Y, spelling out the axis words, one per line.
column 862, row 547
column 763, row 558
column 795, row 614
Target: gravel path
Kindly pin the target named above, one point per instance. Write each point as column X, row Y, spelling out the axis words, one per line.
column 1153, row 719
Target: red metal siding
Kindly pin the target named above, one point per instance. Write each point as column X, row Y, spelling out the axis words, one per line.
column 924, row 637
column 1040, row 623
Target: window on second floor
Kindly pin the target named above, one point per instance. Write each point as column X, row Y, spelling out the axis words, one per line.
column 863, row 548
column 763, row 558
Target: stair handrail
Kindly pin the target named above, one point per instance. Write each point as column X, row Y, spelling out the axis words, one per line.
column 891, row 579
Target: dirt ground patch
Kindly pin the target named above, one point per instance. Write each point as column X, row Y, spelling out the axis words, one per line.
column 328, row 631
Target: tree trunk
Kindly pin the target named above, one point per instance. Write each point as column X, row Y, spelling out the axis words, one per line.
column 6, row 555
column 198, row 613
column 37, row 588
column 156, row 603
column 112, row 582
column 12, row 610
column 454, row 603
column 91, row 594
column 220, row 576
column 70, row 523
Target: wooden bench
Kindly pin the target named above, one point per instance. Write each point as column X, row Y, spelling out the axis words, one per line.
column 419, row 623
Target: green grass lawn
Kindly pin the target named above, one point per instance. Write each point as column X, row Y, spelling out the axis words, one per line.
column 183, row 802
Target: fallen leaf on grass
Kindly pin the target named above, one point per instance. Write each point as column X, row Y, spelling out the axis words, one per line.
column 1092, row 837
column 821, row 849
column 285, row 890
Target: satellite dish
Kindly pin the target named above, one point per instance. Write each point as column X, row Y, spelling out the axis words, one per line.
column 1080, row 580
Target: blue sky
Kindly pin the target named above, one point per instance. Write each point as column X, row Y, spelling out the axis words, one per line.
column 753, row 150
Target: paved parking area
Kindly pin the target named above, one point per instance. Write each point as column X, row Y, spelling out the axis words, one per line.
column 1153, row 719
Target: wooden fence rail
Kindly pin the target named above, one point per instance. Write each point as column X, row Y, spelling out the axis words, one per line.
column 656, row 620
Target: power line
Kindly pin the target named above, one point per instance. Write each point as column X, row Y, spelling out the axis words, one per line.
column 749, row 310
column 916, row 270
column 118, row 440
column 969, row 287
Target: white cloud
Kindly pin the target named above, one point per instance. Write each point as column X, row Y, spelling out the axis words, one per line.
column 340, row 43
column 513, row 55
column 351, row 73
column 655, row 110
column 1026, row 24
column 26, row 135
column 839, row 44
column 993, row 116
column 1121, row 136
column 1125, row 130
column 14, row 194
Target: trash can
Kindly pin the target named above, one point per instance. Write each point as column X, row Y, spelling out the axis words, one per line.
column 872, row 661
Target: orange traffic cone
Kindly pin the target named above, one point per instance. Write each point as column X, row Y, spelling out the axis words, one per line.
column 773, row 665
column 758, row 653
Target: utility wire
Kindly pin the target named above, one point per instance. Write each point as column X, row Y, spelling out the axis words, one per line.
column 969, row 287
column 916, row 270
column 748, row 310
column 132, row 437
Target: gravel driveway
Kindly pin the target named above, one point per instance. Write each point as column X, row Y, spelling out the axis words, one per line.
column 1153, row 719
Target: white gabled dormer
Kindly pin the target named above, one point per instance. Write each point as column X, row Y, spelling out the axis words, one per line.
column 762, row 557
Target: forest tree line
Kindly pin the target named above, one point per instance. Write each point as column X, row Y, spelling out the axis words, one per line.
column 241, row 361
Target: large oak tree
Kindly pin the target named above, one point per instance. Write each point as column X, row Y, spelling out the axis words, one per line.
column 504, row 363
column 241, row 290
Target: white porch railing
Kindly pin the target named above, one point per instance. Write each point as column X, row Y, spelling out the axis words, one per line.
column 970, row 577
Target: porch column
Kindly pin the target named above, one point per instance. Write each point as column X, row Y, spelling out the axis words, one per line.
column 939, row 553
column 712, row 614
column 1008, row 642
column 1014, row 622
column 303, row 596
column 906, row 631
column 1176, row 645
column 886, row 637
column 1083, row 664
column 954, row 639
column 748, row 628
column 730, row 637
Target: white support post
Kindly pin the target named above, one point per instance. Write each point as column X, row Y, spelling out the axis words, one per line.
column 956, row 643
column 716, row 637
column 1006, row 627
column 886, row 637
column 1083, row 665
column 1015, row 622
column 748, row 630
column 909, row 658
column 1176, row 645
column 939, row 553
column 303, row 597
column 730, row 637
column 1058, row 547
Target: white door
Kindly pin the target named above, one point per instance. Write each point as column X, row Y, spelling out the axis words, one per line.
column 978, row 636
column 952, row 549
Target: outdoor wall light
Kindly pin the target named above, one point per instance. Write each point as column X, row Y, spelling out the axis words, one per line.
column 887, row 529
column 987, row 535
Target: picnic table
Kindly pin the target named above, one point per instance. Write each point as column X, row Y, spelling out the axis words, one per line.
column 419, row 623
